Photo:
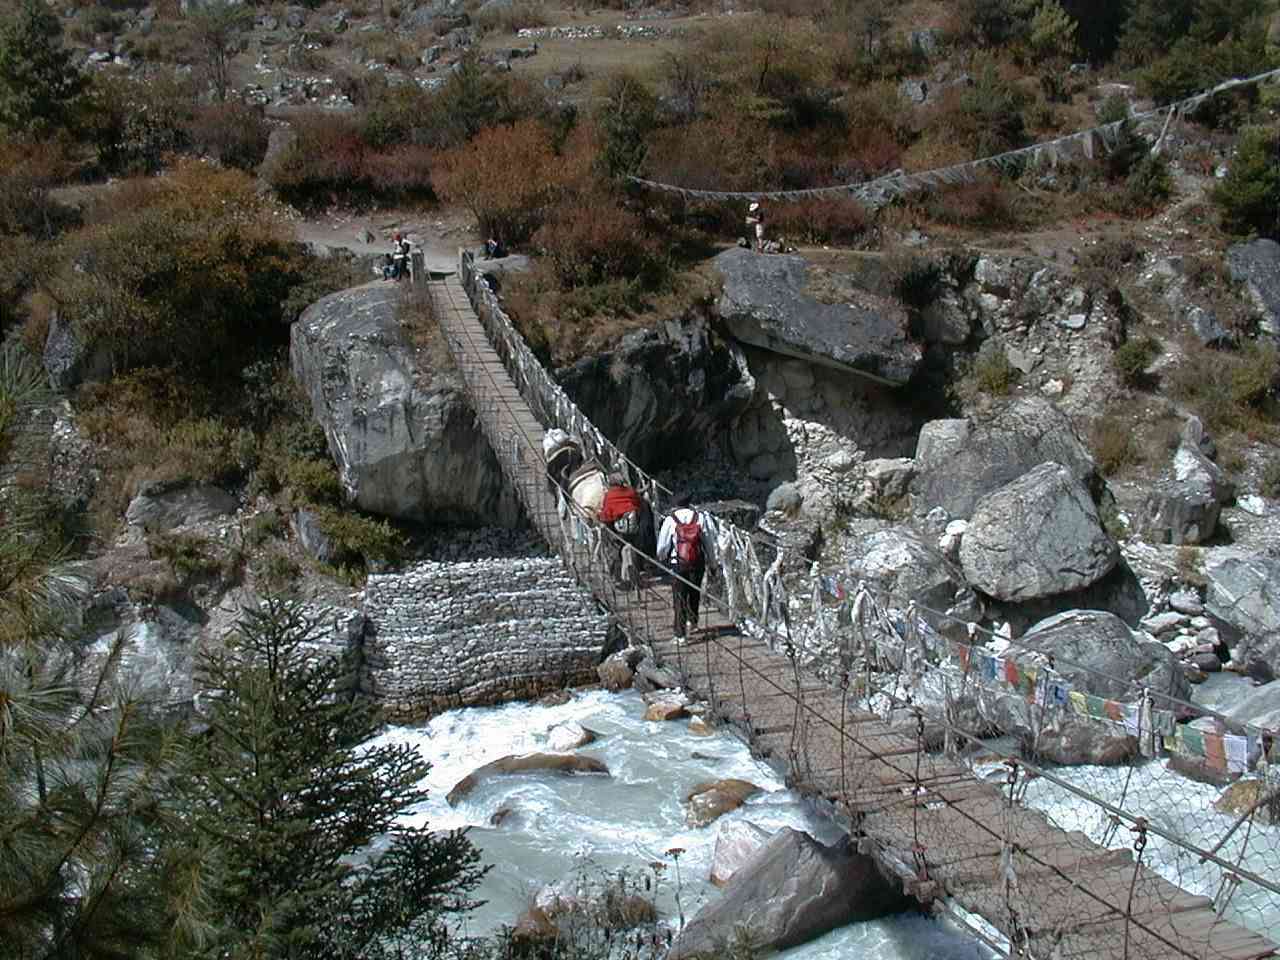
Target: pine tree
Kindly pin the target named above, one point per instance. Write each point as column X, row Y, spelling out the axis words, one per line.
column 38, row 82
column 284, row 799
column 81, row 868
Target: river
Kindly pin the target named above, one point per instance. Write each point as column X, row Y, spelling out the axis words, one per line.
column 565, row 827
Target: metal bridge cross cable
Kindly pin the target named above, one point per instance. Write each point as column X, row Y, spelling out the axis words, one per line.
column 1070, row 897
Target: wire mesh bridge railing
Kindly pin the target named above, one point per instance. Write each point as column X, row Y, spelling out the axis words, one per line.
column 899, row 728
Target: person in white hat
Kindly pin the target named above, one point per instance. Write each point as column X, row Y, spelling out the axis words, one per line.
column 755, row 218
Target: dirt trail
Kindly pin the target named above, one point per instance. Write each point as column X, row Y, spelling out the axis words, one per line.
column 438, row 233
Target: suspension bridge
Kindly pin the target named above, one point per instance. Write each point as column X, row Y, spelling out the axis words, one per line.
column 840, row 707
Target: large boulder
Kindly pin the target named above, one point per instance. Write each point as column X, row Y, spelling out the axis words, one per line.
column 1096, row 652
column 1258, row 657
column 1256, row 265
column 736, row 843
column 1259, row 707
column 165, row 506
column 767, row 302
column 1184, row 508
column 404, row 437
column 1244, row 590
column 958, row 462
column 1035, row 537
column 793, row 890
column 661, row 392
column 900, row 566
column 562, row 763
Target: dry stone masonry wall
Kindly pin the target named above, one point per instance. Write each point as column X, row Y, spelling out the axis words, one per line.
column 443, row 635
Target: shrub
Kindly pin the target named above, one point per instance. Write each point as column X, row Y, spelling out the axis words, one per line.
column 39, row 84
column 1133, row 357
column 233, row 133
column 1249, row 197
column 1228, row 391
column 916, row 280
column 1111, row 441
column 187, row 555
column 591, row 239
column 511, row 208
column 988, row 372
column 1270, row 480
column 136, row 123
column 625, row 119
column 1146, row 187
column 194, row 274
column 512, row 18
column 1113, row 109
column 359, row 537
column 839, row 221
column 314, row 481
column 263, row 527
column 987, row 204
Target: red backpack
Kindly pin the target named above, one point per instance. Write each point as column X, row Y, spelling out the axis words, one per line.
column 688, row 544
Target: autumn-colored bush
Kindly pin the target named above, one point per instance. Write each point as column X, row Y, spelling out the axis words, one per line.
column 194, row 273
column 987, row 203
column 511, row 177
column 835, row 220
column 330, row 161
column 233, row 133
column 592, row 239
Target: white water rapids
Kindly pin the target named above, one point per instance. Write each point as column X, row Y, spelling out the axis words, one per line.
column 561, row 826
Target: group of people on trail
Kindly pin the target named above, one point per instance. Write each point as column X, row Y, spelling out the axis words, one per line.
column 687, row 536
column 396, row 263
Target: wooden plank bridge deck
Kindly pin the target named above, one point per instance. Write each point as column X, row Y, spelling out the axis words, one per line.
column 929, row 820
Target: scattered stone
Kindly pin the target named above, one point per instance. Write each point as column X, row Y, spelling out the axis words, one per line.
column 616, row 672
column 1187, row 602
column 569, row 735
column 1252, row 505
column 528, row 763
column 700, row 727
column 1163, row 623
column 1206, row 663
column 663, row 710
column 916, row 91
column 708, row 801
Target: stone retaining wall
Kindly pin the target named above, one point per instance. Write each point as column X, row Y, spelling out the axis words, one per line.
column 445, row 635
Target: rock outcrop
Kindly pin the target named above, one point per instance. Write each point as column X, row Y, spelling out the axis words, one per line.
column 562, row 763
column 1184, row 508
column 793, row 890
column 1035, row 537
column 736, row 843
column 958, row 462
column 901, row 566
column 404, row 438
column 661, row 392
column 1256, row 265
column 1096, row 652
column 162, row 506
column 766, row 302
column 1244, row 591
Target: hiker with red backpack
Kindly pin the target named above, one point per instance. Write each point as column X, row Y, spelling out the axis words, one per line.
column 685, row 541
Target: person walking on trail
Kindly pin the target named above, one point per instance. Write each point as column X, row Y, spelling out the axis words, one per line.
column 687, row 537
column 755, row 221
column 399, row 257
column 627, row 514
